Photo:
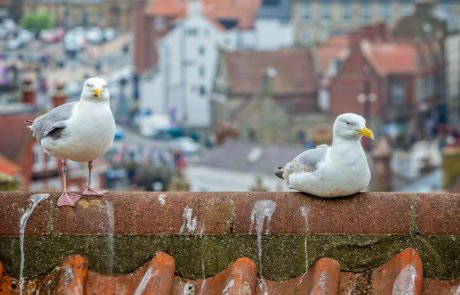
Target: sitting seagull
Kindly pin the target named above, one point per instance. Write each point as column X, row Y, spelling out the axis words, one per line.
column 332, row 171
column 79, row 131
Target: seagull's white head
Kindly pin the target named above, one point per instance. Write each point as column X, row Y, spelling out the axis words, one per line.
column 95, row 89
column 352, row 127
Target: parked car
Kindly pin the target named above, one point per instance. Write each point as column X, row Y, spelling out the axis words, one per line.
column 51, row 36
column 25, row 36
column 74, row 40
column 109, row 34
column 95, row 36
column 186, row 145
column 14, row 44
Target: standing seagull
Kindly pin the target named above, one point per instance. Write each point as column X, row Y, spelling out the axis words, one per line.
column 332, row 171
column 79, row 131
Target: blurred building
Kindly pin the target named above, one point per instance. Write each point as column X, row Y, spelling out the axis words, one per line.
column 6, row 8
column 236, row 165
column 315, row 20
column 267, row 24
column 274, row 24
column 188, row 56
column 396, row 82
column 272, row 96
column 103, row 13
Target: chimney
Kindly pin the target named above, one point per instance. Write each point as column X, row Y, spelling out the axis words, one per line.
column 28, row 95
column 59, row 96
column 382, row 31
column 355, row 39
column 267, row 77
column 369, row 32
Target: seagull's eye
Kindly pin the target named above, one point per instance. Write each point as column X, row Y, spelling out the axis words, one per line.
column 348, row 123
column 89, row 85
column 104, row 86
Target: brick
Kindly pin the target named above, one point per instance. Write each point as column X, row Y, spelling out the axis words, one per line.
column 12, row 208
column 438, row 214
column 144, row 213
column 370, row 213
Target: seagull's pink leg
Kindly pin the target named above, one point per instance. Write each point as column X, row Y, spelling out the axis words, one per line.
column 92, row 191
column 67, row 198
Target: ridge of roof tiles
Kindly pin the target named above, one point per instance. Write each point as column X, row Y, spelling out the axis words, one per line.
column 402, row 274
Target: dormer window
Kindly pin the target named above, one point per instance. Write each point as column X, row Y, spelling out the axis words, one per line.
column 228, row 23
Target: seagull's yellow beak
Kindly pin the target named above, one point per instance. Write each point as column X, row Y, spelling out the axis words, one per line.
column 97, row 92
column 366, row 132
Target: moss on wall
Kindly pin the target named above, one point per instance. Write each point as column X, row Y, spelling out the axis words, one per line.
column 282, row 256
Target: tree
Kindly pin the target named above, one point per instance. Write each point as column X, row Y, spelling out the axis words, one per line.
column 37, row 21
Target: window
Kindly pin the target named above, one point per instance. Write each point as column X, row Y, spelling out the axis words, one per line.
column 406, row 9
column 397, row 96
column 346, row 11
column 305, row 37
column 201, row 50
column 201, row 71
column 385, row 10
column 160, row 23
column 307, row 10
column 202, row 90
column 51, row 162
column 270, row 2
column 38, row 158
column 365, row 11
column 192, row 31
column 326, row 10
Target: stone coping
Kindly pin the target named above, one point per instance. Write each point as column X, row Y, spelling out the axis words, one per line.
column 222, row 213
column 120, row 231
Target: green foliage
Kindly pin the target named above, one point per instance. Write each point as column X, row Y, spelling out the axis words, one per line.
column 37, row 21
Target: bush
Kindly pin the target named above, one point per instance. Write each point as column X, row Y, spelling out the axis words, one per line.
column 37, row 21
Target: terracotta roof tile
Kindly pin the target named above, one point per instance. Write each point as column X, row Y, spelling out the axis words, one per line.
column 396, row 58
column 242, row 10
column 403, row 274
column 171, row 8
column 294, row 67
column 15, row 135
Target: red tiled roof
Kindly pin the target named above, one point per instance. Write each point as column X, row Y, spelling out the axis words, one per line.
column 396, row 58
column 7, row 166
column 14, row 134
column 244, row 11
column 295, row 72
column 171, row 8
column 402, row 274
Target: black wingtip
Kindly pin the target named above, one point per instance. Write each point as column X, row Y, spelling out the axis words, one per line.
column 279, row 172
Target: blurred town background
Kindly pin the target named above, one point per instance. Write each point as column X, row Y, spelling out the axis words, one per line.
column 213, row 95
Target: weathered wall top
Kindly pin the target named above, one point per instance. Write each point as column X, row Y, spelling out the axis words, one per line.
column 282, row 233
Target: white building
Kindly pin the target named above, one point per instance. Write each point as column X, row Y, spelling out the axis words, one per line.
column 188, row 57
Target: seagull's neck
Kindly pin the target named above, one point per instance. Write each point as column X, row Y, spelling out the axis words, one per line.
column 83, row 103
column 339, row 145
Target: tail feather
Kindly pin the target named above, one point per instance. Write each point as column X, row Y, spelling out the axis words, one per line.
column 279, row 172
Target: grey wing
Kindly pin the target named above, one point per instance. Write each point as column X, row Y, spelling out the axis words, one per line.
column 304, row 162
column 52, row 123
column 312, row 157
